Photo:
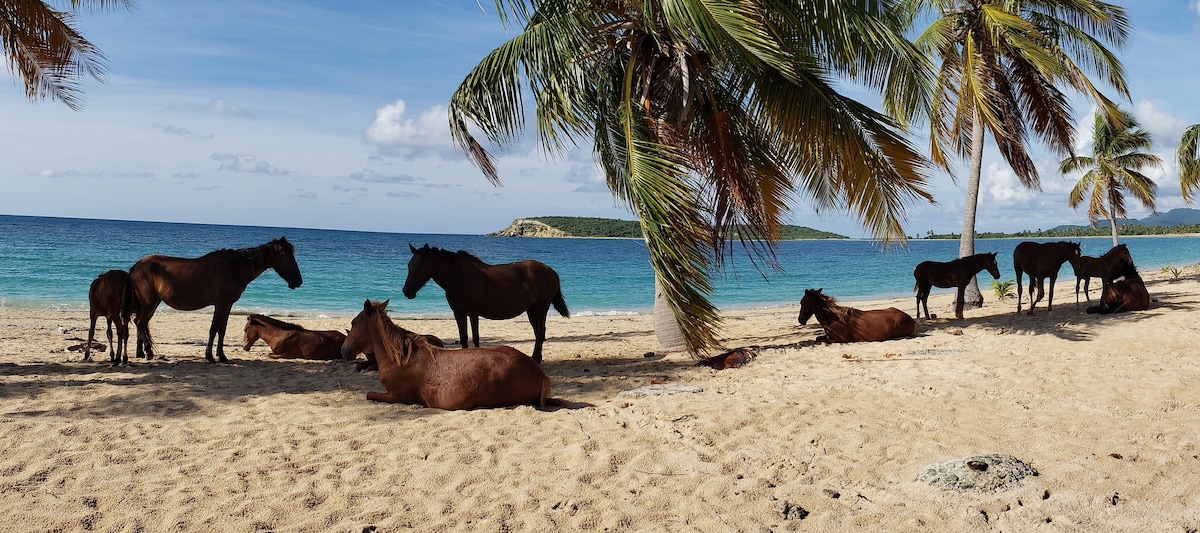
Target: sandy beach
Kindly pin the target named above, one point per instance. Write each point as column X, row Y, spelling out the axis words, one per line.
column 809, row 437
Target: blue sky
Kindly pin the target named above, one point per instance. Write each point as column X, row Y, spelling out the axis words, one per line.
column 332, row 115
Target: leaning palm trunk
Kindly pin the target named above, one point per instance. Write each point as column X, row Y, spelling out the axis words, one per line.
column 972, row 298
column 1112, row 225
column 666, row 327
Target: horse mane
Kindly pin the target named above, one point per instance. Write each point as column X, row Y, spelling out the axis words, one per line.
column 459, row 256
column 275, row 322
column 399, row 343
column 830, row 303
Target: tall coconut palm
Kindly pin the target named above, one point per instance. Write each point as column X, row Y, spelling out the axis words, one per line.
column 1003, row 63
column 1188, row 158
column 45, row 50
column 706, row 114
column 1113, row 169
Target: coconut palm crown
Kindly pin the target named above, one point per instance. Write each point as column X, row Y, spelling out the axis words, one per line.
column 708, row 114
column 1188, row 158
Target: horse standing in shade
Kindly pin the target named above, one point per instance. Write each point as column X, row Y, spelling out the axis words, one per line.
column 1041, row 261
column 847, row 324
column 291, row 341
column 1107, row 267
column 111, row 296
column 497, row 292
column 218, row 279
column 957, row 273
column 1129, row 294
column 414, row 372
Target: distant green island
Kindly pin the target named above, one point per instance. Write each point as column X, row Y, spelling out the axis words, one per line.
column 593, row 227
column 1179, row 221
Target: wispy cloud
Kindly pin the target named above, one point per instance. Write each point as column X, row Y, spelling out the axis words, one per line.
column 371, row 176
column 211, row 107
column 245, row 163
column 68, row 173
column 395, row 133
column 402, row 194
column 133, row 174
column 183, row 132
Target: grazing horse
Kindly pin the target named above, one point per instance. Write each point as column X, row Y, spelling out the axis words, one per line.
column 847, row 324
column 497, row 292
column 290, row 341
column 957, row 273
column 1041, row 261
column 217, row 279
column 1107, row 267
column 414, row 372
column 111, row 296
column 1128, row 294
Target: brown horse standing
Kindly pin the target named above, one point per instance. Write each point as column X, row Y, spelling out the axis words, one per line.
column 218, row 279
column 847, row 324
column 957, row 273
column 111, row 296
column 290, row 341
column 497, row 292
column 1107, row 267
column 1041, row 261
column 1129, row 294
column 414, row 372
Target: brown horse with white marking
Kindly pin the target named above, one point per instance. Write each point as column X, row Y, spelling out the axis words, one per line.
column 291, row 341
column 957, row 273
column 1129, row 294
column 847, row 324
column 496, row 292
column 1107, row 267
column 414, row 372
column 218, row 279
column 111, row 296
column 1041, row 261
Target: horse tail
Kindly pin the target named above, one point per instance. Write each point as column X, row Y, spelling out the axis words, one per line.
column 560, row 304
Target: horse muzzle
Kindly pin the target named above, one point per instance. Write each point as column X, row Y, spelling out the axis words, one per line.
column 348, row 353
column 409, row 294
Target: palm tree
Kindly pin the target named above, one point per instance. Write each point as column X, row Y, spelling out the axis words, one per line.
column 46, row 52
column 1189, row 161
column 1002, row 63
column 708, row 114
column 1113, row 169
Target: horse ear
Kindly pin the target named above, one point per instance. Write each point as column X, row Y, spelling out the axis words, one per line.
column 819, row 290
column 367, row 305
column 383, row 306
column 410, row 247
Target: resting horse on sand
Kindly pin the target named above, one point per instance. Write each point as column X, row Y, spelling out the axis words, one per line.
column 111, row 296
column 1107, row 267
column 414, row 372
column 497, row 292
column 847, row 324
column 1041, row 261
column 290, row 341
column 957, row 273
column 218, row 279
column 371, row 365
column 1129, row 294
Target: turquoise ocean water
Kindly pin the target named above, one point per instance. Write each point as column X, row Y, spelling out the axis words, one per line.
column 48, row 263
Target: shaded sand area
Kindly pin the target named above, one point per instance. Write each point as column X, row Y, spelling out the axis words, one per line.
column 808, row 437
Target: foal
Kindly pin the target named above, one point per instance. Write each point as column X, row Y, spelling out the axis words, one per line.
column 111, row 296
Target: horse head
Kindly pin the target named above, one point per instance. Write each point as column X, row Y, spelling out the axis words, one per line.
column 993, row 268
column 808, row 304
column 250, row 333
column 362, row 329
column 419, row 271
column 282, row 257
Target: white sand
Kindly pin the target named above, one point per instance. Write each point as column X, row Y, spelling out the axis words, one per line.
column 1107, row 409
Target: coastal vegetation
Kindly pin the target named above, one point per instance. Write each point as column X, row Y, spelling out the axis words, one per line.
column 615, row 228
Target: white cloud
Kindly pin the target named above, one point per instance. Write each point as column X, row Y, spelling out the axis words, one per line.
column 245, row 163
column 394, row 133
column 211, row 107
column 1196, row 6
column 1004, row 188
column 371, row 176
column 55, row 173
column 1166, row 128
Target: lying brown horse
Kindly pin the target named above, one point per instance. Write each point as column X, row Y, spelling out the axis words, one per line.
column 957, row 273
column 1041, row 261
column 847, row 324
column 414, row 372
column 290, row 341
column 1129, row 294
column 218, row 279
column 371, row 364
column 1107, row 267
column 111, row 296
column 497, row 292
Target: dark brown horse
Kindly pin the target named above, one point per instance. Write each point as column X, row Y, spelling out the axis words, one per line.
column 497, row 292
column 111, row 296
column 1041, row 261
column 414, row 372
column 1129, row 294
column 957, row 273
column 218, row 279
column 290, row 341
column 1107, row 267
column 847, row 324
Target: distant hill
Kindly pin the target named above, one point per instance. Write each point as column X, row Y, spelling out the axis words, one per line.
column 613, row 228
column 1182, row 216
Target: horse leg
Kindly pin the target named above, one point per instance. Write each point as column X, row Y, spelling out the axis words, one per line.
column 87, row 347
column 475, row 329
column 220, row 320
column 461, row 320
column 146, row 311
column 122, row 342
column 1050, row 297
column 1019, row 297
column 923, row 297
column 537, row 319
column 958, row 302
column 1041, row 292
column 386, row 397
column 111, row 354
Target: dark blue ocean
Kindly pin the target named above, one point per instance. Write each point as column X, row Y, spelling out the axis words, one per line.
column 48, row 263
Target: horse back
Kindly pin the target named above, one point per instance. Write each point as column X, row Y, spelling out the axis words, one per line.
column 504, row 291
column 186, row 284
column 483, row 377
column 111, row 295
